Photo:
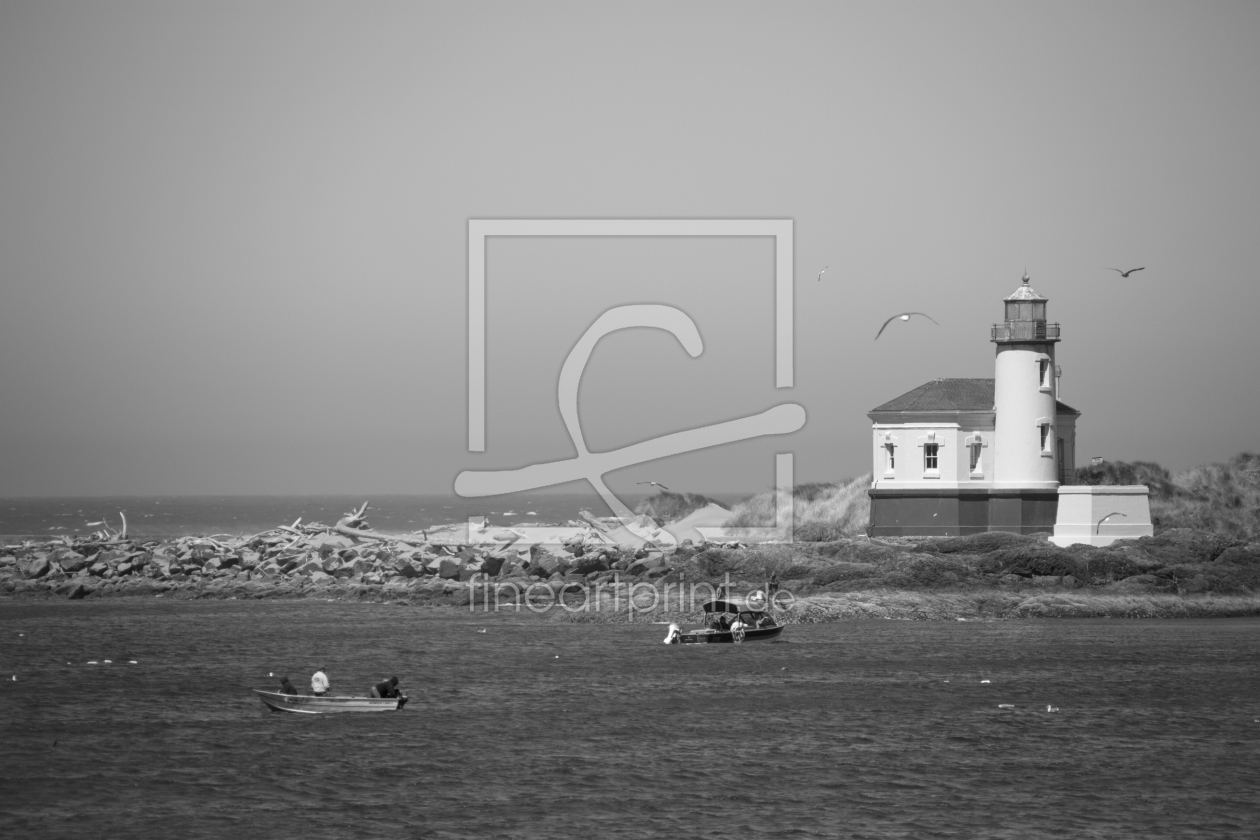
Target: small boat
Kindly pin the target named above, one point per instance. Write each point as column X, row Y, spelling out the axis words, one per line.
column 309, row 704
column 730, row 620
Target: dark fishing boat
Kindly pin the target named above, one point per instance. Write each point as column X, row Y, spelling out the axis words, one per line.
column 309, row 704
column 730, row 620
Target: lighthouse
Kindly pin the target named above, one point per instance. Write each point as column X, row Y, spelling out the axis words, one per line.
column 1028, row 447
column 963, row 456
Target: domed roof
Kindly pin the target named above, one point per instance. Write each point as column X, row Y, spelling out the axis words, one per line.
column 1025, row 292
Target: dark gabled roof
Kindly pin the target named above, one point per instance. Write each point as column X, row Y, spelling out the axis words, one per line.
column 952, row 395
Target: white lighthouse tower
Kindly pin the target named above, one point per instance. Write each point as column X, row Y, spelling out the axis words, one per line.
column 1026, row 447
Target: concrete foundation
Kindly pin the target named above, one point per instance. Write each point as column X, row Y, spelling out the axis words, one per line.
column 1082, row 509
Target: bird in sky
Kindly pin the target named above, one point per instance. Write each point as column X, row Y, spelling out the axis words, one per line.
column 1105, row 518
column 655, row 484
column 1126, row 273
column 820, row 274
column 905, row 316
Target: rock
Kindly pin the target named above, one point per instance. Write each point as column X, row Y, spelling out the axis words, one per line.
column 548, row 564
column 328, row 544
column 72, row 590
column 492, row 564
column 448, row 569
column 72, row 561
column 590, row 562
column 202, row 551
column 512, row 568
column 36, row 568
column 654, row 562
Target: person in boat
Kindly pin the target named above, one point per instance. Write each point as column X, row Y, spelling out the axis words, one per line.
column 286, row 687
column 319, row 682
column 387, row 688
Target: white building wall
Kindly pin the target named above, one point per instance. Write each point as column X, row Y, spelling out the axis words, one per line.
column 953, row 455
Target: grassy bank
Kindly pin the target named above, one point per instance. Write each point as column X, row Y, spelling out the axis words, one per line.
column 1220, row 498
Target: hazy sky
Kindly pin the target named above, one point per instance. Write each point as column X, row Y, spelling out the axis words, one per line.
column 233, row 237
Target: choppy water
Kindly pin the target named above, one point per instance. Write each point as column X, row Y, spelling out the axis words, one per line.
column 536, row 729
column 164, row 516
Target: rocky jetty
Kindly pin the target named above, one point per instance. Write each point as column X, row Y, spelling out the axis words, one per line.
column 605, row 567
column 347, row 558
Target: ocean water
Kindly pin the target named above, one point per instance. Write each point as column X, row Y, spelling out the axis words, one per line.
column 164, row 516
column 539, row 729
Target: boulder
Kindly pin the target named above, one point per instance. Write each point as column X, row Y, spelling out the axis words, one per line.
column 654, row 562
column 36, row 568
column 590, row 562
column 548, row 564
column 448, row 569
column 328, row 544
column 73, row 590
column 492, row 564
column 72, row 561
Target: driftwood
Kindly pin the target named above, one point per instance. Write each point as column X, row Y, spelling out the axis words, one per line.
column 619, row 535
column 354, row 524
column 108, row 533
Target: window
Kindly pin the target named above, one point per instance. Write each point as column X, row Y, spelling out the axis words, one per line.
column 1044, row 372
column 975, row 456
column 1045, row 436
column 930, row 452
column 890, row 458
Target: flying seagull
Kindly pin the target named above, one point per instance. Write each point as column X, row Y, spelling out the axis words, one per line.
column 905, row 316
column 820, row 274
column 655, row 484
column 1105, row 518
column 1126, row 273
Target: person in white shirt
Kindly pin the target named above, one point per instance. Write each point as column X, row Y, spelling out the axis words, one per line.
column 319, row 682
